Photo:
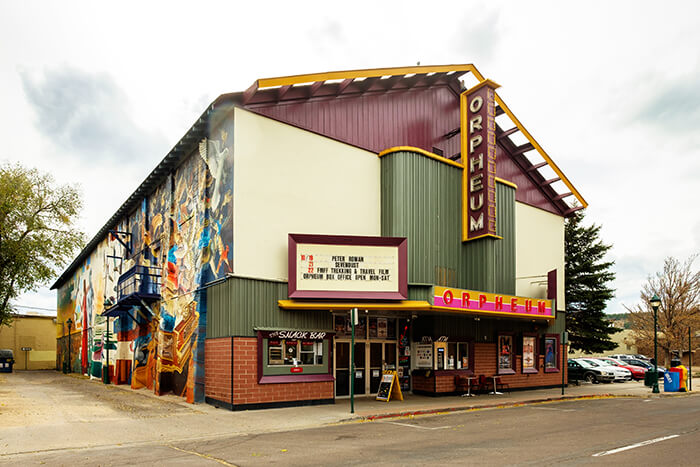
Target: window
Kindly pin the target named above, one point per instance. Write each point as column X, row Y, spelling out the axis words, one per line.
column 506, row 362
column 343, row 327
column 293, row 351
column 529, row 353
column 274, row 352
column 294, row 356
column 457, row 356
column 382, row 328
column 551, row 353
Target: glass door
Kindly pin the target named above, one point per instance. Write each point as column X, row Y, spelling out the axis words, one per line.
column 342, row 368
column 360, row 368
column 375, row 366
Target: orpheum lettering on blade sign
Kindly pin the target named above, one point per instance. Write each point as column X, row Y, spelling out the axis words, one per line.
column 479, row 158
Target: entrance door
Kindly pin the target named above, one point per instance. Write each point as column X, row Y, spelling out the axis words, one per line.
column 375, row 366
column 382, row 356
column 371, row 359
column 342, row 368
column 360, row 368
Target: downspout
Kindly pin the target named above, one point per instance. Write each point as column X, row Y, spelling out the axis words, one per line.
column 231, row 373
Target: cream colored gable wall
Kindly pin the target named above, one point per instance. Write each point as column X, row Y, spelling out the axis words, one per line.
column 288, row 180
column 539, row 248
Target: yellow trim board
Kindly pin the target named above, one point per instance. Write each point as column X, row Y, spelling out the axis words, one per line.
column 337, row 306
column 506, row 182
column 541, row 151
column 485, row 82
column 429, row 154
column 496, row 237
column 366, row 73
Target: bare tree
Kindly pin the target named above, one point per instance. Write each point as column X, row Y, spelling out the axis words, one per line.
column 678, row 287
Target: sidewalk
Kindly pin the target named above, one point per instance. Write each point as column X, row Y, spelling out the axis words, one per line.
column 367, row 408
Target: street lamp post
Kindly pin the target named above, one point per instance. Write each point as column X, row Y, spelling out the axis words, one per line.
column 655, row 303
column 69, row 322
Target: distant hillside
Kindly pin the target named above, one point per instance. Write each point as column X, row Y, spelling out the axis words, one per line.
column 620, row 317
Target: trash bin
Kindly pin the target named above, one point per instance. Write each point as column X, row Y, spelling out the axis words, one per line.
column 672, row 380
column 678, row 371
column 650, row 377
column 7, row 360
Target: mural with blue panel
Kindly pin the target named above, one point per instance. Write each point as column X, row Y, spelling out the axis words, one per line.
column 183, row 229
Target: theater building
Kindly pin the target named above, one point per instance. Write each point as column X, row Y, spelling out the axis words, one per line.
column 413, row 195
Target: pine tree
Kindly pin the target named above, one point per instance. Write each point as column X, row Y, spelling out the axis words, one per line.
column 587, row 278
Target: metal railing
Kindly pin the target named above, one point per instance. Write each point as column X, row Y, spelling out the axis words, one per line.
column 139, row 280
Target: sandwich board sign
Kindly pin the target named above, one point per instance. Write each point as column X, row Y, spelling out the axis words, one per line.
column 389, row 387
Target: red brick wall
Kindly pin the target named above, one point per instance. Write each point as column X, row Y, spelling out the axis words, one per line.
column 246, row 390
column 217, row 369
column 485, row 363
column 421, row 383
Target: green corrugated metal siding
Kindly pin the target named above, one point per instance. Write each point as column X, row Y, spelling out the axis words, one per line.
column 505, row 248
column 419, row 201
column 559, row 325
column 420, row 292
column 239, row 305
column 422, row 200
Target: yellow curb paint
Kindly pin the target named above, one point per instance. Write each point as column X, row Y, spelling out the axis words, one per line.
column 204, row 456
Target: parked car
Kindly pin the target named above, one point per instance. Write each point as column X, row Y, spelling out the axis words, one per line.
column 627, row 355
column 621, row 374
column 7, row 360
column 638, row 372
column 645, row 364
column 581, row 370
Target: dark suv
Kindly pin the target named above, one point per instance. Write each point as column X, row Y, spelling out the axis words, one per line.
column 7, row 359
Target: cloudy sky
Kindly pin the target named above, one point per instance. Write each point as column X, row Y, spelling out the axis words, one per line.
column 90, row 91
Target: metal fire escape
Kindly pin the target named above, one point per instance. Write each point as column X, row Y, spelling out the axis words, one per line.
column 137, row 287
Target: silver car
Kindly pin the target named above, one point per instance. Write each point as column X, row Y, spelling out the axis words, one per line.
column 621, row 374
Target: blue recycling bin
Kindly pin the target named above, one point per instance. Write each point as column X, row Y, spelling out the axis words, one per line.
column 672, row 381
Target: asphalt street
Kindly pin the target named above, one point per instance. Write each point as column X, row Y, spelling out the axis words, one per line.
column 56, row 419
column 620, row 431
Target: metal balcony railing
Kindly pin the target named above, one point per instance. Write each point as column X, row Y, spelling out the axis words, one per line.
column 139, row 282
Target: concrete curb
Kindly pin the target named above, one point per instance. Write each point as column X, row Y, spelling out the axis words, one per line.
column 504, row 405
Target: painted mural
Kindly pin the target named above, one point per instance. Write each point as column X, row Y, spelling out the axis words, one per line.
column 184, row 230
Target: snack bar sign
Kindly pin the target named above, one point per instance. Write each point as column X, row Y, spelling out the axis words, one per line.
column 489, row 303
column 350, row 267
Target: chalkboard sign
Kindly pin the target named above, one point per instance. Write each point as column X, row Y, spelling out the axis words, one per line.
column 389, row 386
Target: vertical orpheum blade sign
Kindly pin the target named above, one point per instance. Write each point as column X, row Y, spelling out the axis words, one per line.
column 478, row 129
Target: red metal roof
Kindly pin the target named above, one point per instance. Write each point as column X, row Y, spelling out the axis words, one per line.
column 418, row 106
